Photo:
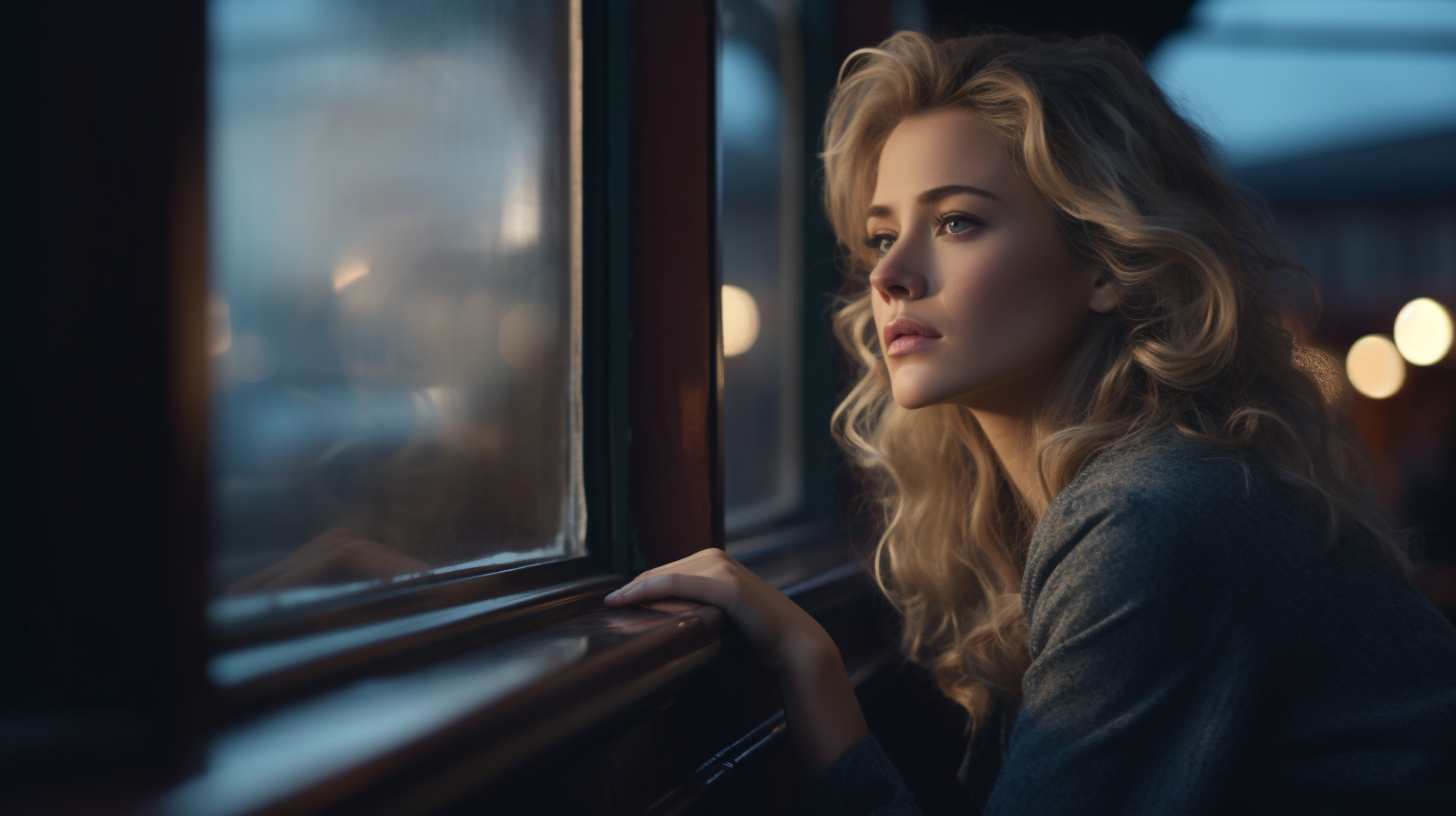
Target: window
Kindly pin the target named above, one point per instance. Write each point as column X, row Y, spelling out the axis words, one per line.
column 394, row 310
column 302, row 416
column 760, row 130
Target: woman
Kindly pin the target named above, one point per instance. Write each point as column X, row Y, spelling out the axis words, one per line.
column 1124, row 524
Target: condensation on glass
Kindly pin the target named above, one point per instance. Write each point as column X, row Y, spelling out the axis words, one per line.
column 394, row 293
column 760, row 131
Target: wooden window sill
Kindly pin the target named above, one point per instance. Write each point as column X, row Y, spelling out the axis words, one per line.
column 440, row 728
column 508, row 699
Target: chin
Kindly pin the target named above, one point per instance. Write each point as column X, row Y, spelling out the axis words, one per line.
column 916, row 387
column 909, row 404
column 917, row 395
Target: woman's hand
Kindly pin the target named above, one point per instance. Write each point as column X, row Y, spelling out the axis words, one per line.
column 780, row 632
column 823, row 713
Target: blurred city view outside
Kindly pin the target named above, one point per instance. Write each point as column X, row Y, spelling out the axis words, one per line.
column 760, row 136
column 1342, row 115
column 391, row 304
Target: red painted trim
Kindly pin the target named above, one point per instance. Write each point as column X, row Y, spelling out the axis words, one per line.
column 676, row 351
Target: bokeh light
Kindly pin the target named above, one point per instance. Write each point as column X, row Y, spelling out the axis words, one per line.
column 348, row 272
column 740, row 321
column 1423, row 331
column 1375, row 367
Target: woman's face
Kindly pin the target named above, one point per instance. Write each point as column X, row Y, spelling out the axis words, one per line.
column 977, row 297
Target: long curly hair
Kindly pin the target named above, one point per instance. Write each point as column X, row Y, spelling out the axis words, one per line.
column 1198, row 342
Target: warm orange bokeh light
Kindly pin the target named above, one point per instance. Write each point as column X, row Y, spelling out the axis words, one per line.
column 1423, row 331
column 740, row 321
column 1375, row 367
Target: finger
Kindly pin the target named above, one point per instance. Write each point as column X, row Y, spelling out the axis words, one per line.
column 706, row 567
column 694, row 564
column 673, row 605
column 704, row 589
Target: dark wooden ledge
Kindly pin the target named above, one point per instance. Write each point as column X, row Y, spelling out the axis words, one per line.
column 260, row 674
column 479, row 714
column 418, row 736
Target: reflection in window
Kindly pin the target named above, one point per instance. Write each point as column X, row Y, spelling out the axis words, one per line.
column 760, row 135
column 393, row 308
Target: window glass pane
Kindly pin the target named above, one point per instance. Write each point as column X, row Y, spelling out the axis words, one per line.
column 393, row 304
column 760, row 135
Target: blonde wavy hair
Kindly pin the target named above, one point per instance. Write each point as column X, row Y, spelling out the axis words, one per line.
column 1197, row 343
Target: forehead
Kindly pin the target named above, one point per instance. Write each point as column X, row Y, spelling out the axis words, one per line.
column 935, row 149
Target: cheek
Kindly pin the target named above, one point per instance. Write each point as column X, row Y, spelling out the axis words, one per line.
column 1016, row 307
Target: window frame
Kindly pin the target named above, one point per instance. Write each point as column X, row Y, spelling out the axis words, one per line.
column 384, row 600
column 651, row 499
column 549, row 588
column 651, row 357
column 650, row 164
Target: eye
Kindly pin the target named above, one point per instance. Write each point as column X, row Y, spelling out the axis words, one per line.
column 957, row 223
column 880, row 243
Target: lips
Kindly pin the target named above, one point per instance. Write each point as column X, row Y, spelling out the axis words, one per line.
column 904, row 336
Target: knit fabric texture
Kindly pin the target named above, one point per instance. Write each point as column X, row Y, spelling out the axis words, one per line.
column 1196, row 648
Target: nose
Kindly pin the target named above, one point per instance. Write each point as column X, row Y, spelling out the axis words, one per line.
column 896, row 276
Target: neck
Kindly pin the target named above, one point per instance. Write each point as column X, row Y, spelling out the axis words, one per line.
column 1015, row 441
column 1007, row 415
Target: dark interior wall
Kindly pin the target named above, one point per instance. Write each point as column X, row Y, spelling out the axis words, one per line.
column 1143, row 24
column 102, row 204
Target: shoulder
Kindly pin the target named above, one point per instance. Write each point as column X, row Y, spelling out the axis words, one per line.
column 1157, row 519
column 1163, row 479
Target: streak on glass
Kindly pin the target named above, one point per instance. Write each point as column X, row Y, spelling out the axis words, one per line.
column 394, row 273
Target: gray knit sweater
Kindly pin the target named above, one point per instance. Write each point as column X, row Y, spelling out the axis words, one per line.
column 1193, row 653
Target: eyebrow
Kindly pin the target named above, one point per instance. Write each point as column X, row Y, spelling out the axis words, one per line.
column 936, row 194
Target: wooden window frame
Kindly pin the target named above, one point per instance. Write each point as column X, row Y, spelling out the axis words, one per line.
column 652, row 380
